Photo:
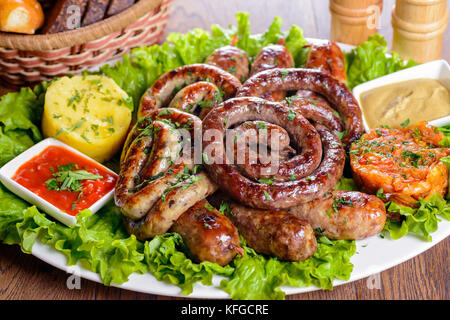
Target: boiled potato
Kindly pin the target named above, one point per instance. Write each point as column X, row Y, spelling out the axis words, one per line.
column 90, row 113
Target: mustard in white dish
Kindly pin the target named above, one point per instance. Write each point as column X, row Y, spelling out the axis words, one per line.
column 416, row 100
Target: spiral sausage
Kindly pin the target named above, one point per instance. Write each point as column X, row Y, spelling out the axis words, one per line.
column 230, row 59
column 156, row 185
column 316, row 174
column 161, row 92
column 315, row 109
column 208, row 234
column 322, row 83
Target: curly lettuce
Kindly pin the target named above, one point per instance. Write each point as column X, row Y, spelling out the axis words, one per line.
column 257, row 277
column 20, row 116
column 421, row 221
column 370, row 60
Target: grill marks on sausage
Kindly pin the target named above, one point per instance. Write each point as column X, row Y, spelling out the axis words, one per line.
column 230, row 59
column 317, row 173
column 161, row 92
column 329, row 58
column 208, row 234
column 154, row 188
column 347, row 215
column 336, row 93
column 276, row 233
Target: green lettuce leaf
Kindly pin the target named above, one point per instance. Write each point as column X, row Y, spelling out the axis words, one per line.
column 258, row 277
column 166, row 258
column 98, row 241
column 446, row 131
column 347, row 184
column 20, row 117
column 369, row 61
column 421, row 221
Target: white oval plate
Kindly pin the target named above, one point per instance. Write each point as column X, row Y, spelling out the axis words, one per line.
column 373, row 256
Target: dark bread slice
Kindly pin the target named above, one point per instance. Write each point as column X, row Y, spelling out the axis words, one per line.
column 95, row 11
column 46, row 4
column 62, row 17
column 117, row 6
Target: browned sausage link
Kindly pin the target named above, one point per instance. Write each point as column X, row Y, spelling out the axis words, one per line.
column 336, row 93
column 230, row 59
column 202, row 96
column 346, row 215
column 277, row 195
column 208, row 234
column 304, row 136
column 161, row 92
column 275, row 232
column 170, row 207
column 327, row 57
column 272, row 56
column 315, row 109
column 155, row 184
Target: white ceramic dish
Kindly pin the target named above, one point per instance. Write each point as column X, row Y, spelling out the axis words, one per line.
column 373, row 256
column 9, row 169
column 439, row 70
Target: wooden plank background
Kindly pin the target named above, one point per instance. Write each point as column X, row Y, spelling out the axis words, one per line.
column 423, row 277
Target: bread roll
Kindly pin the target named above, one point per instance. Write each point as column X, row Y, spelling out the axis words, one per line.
column 21, row 16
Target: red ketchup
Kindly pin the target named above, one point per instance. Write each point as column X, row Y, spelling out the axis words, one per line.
column 34, row 173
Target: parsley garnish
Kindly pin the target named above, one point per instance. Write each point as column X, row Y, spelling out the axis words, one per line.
column 291, row 115
column 404, row 124
column 65, row 178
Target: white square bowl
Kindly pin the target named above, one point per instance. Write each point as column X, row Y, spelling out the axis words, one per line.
column 10, row 168
column 439, row 70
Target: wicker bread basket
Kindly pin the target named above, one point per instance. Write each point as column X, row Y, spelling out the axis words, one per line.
column 27, row 59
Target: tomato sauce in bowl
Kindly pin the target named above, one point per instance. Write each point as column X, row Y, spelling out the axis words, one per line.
column 36, row 173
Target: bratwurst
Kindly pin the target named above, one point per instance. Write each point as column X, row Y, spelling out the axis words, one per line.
column 347, row 215
column 208, row 234
column 274, row 232
column 230, row 59
column 161, row 92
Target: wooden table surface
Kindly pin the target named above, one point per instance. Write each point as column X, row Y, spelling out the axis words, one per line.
column 426, row 276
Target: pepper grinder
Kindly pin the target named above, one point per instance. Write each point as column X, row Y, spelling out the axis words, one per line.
column 419, row 27
column 353, row 21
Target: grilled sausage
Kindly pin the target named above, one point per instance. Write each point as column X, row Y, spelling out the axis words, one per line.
column 272, row 232
column 336, row 93
column 272, row 56
column 156, row 184
column 329, row 58
column 348, row 215
column 230, row 59
column 315, row 109
column 208, row 234
column 161, row 92
column 168, row 209
column 284, row 193
column 201, row 96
